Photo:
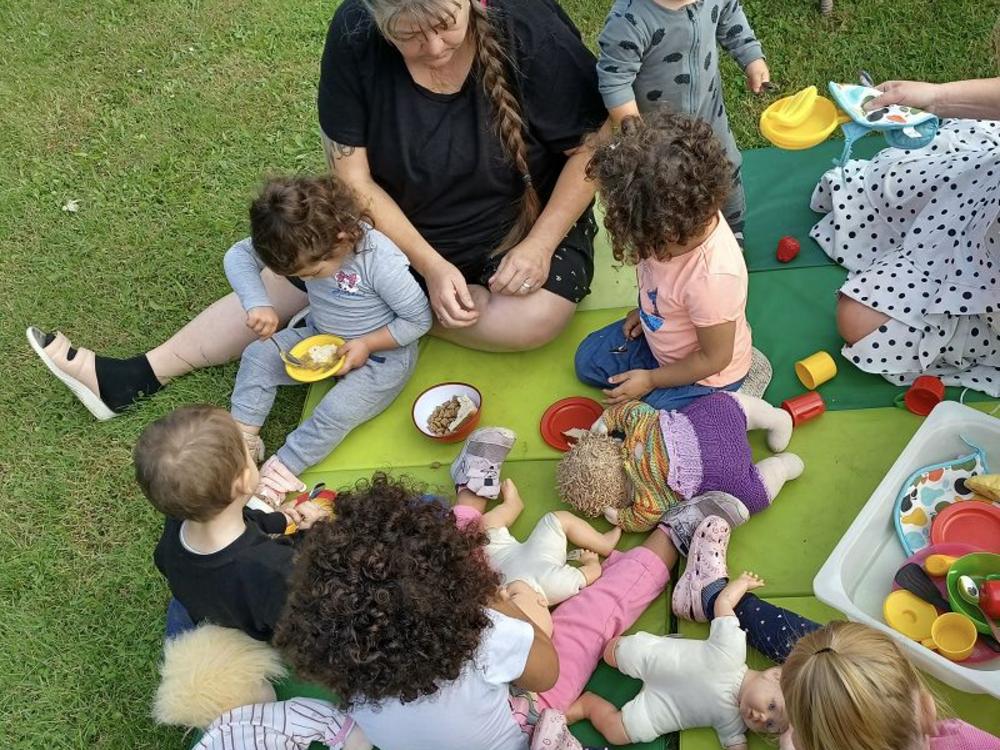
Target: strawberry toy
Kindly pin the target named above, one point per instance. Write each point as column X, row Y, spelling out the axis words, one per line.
column 788, row 248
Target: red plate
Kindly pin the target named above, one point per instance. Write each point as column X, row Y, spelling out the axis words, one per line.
column 969, row 522
column 575, row 411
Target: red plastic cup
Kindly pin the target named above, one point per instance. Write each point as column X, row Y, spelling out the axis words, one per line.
column 805, row 407
column 926, row 392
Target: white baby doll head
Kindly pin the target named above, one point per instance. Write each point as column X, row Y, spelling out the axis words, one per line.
column 591, row 476
column 532, row 604
column 762, row 705
column 210, row 670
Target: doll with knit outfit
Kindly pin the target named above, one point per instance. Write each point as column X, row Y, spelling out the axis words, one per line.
column 691, row 683
column 666, row 458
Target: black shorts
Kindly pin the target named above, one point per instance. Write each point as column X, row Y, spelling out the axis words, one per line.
column 570, row 273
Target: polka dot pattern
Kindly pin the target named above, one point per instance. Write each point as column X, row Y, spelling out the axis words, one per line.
column 919, row 233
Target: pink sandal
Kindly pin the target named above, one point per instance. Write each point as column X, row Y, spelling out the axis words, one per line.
column 706, row 563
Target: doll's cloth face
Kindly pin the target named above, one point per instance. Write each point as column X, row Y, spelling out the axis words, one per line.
column 762, row 704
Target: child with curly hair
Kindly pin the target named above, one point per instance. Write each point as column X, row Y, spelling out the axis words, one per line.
column 663, row 180
column 664, row 53
column 359, row 287
column 395, row 607
column 849, row 686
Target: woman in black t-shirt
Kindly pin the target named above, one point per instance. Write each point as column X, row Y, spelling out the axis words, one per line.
column 461, row 124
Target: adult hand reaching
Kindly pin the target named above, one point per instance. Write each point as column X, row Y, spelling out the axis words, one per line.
column 522, row 271
column 449, row 296
column 908, row 93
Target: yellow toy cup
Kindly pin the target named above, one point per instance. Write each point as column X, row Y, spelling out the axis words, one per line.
column 815, row 370
column 953, row 636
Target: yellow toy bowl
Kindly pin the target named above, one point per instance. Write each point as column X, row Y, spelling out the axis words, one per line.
column 953, row 636
column 800, row 121
column 306, row 375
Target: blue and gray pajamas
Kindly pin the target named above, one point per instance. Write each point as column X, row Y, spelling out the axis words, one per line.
column 656, row 56
column 372, row 289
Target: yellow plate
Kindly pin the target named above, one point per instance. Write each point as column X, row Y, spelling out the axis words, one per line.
column 814, row 124
column 304, row 375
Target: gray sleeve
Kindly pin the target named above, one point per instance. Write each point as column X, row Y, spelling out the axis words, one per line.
column 622, row 45
column 736, row 36
column 393, row 282
column 243, row 267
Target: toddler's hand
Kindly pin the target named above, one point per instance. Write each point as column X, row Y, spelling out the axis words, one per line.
column 355, row 353
column 633, row 325
column 629, row 386
column 757, row 75
column 263, row 321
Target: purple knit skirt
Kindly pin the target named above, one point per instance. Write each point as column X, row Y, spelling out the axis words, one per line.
column 708, row 450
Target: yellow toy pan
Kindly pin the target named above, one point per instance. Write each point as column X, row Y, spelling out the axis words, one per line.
column 911, row 616
column 800, row 121
column 305, row 375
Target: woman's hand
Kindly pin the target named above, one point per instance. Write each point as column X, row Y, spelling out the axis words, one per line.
column 908, row 93
column 630, row 385
column 522, row 270
column 355, row 353
column 449, row 296
column 757, row 74
column 633, row 325
column 263, row 321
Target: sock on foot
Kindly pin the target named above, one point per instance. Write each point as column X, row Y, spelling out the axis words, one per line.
column 709, row 594
column 122, row 381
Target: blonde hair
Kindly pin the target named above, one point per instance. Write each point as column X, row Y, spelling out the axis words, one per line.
column 495, row 68
column 848, row 686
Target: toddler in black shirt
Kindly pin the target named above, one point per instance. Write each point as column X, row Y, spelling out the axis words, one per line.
column 219, row 557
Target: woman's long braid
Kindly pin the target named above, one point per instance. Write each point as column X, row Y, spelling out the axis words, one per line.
column 492, row 60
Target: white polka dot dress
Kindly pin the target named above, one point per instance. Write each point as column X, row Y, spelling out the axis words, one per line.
column 919, row 233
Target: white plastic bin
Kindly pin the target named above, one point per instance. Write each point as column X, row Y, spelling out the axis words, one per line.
column 857, row 576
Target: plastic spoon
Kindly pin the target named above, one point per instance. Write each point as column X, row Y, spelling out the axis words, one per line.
column 913, row 578
column 938, row 565
column 969, row 591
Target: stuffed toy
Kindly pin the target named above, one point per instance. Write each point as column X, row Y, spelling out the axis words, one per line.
column 219, row 680
column 639, row 462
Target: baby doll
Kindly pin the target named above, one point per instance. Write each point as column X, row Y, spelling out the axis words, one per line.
column 535, row 572
column 690, row 683
column 669, row 457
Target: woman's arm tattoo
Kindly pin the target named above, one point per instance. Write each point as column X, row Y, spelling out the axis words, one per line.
column 336, row 150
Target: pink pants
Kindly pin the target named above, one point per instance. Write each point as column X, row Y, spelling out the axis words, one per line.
column 586, row 623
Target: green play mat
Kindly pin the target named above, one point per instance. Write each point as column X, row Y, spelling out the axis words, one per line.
column 846, row 451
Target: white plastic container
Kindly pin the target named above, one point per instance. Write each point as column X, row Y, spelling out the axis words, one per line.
column 857, row 576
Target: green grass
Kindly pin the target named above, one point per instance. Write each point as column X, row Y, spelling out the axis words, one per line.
column 160, row 118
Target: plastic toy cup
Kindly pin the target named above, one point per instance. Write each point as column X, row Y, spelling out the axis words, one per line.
column 953, row 636
column 805, row 407
column 815, row 370
column 926, row 392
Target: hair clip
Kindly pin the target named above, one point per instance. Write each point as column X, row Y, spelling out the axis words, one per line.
column 526, row 178
column 824, row 650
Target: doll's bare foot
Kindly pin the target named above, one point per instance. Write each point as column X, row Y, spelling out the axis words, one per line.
column 613, row 537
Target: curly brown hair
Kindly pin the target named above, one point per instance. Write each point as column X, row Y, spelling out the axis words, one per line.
column 661, row 180
column 387, row 600
column 298, row 221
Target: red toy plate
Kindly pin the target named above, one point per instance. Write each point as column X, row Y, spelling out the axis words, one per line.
column 981, row 652
column 968, row 522
column 566, row 414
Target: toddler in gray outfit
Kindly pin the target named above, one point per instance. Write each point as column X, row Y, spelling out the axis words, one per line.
column 665, row 52
column 359, row 287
